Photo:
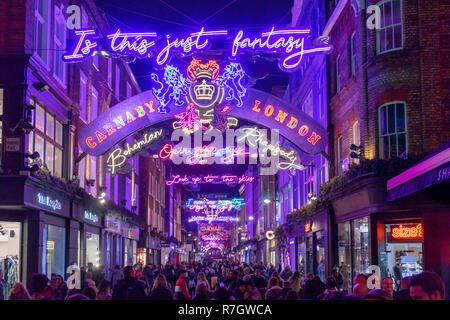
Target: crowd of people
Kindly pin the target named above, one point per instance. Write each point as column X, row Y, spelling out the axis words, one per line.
column 223, row 281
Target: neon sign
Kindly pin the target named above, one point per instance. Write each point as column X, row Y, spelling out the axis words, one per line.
column 119, row 156
column 212, row 218
column 224, row 178
column 200, row 155
column 220, row 205
column 253, row 136
column 49, row 202
column 289, row 44
column 407, row 232
column 161, row 104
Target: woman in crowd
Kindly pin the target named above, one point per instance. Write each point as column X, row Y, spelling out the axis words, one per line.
column 160, row 289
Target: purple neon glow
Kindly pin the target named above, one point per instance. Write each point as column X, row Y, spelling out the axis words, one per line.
column 187, row 45
column 289, row 42
column 85, row 45
column 139, row 46
column 220, row 205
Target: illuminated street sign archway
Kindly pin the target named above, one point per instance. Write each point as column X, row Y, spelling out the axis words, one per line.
column 140, row 111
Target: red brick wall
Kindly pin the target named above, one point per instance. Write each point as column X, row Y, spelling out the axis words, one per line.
column 419, row 74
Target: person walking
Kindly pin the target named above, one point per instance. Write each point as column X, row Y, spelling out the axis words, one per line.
column 160, row 290
column 181, row 290
column 128, row 288
column 201, row 292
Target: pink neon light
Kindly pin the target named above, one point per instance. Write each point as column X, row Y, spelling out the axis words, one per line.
column 225, row 178
column 419, row 169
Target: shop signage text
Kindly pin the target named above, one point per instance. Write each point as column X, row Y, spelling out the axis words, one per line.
column 90, row 216
column 407, row 232
column 220, row 205
column 49, row 202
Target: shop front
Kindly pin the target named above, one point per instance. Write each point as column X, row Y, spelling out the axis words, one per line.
column 112, row 236
column 310, row 246
column 33, row 223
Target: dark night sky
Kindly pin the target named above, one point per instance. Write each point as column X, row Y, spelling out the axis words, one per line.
column 186, row 16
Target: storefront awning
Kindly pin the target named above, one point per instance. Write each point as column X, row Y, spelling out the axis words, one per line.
column 433, row 170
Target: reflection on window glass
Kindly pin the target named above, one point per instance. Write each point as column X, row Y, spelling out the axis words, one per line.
column 55, row 250
column 58, row 162
column 49, row 156
column 50, row 126
column 58, row 133
column 40, row 118
column 92, row 249
column 39, row 145
column 361, row 245
column 345, row 258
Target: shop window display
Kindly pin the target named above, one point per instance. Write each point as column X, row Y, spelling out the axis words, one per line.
column 55, row 250
column 92, row 249
column 320, row 255
column 9, row 254
column 360, row 248
column 344, row 253
column 302, row 256
column 401, row 258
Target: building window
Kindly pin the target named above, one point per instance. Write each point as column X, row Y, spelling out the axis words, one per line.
column 117, row 82
column 320, row 95
column 308, row 104
column 339, row 159
column 94, row 104
column 60, row 44
column 392, row 128
column 42, row 29
column 356, row 139
column 360, row 246
column 338, row 80
column 110, row 69
column 47, row 139
column 309, row 182
column 390, row 34
column 95, row 63
column 83, row 96
column 353, row 54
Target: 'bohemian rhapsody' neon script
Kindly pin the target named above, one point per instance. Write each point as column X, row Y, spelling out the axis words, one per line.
column 119, row 156
column 290, row 44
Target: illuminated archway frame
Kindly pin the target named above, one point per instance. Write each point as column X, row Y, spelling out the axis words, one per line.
column 261, row 108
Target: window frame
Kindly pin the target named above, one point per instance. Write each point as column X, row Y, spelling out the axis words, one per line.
column 38, row 19
column 392, row 26
column 59, row 44
column 352, row 54
column 338, row 71
column 47, row 139
column 396, row 133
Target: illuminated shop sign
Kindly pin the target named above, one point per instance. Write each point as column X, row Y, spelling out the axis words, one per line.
column 119, row 156
column 211, row 230
column 49, row 202
column 224, row 178
column 409, row 232
column 220, row 205
column 90, row 216
column 308, row 226
column 289, row 44
column 195, row 103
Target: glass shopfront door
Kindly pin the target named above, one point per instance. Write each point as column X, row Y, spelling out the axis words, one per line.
column 55, row 250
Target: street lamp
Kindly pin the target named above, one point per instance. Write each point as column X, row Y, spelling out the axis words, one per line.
column 251, row 218
column 266, row 201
